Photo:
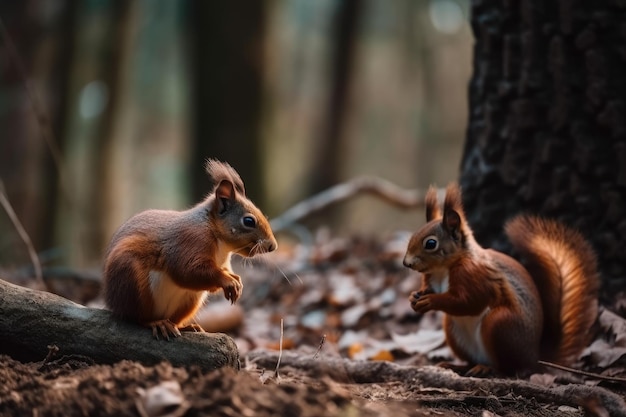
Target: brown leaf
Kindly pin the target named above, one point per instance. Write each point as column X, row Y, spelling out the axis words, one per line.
column 163, row 400
column 546, row 380
column 344, row 290
column 421, row 341
column 611, row 322
column 603, row 354
column 382, row 355
column 351, row 316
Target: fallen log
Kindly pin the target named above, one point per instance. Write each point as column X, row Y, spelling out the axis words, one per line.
column 31, row 321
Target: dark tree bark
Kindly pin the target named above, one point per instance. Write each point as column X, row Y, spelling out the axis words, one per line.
column 547, row 125
column 227, row 73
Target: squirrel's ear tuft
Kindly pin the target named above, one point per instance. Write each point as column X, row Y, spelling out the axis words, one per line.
column 432, row 205
column 453, row 215
column 219, row 171
column 453, row 200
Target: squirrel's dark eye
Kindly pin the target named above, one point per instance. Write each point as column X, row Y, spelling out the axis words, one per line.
column 430, row 243
column 248, row 221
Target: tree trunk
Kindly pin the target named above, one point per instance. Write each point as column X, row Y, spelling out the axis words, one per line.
column 36, row 50
column 546, row 128
column 330, row 151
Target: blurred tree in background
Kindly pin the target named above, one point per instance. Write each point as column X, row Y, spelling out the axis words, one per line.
column 227, row 68
column 109, row 107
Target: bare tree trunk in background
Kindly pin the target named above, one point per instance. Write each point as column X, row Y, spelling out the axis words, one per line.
column 118, row 53
column 227, row 71
column 53, row 188
column 547, row 127
column 331, row 145
column 36, row 51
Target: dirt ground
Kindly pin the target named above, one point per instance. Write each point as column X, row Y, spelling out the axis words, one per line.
column 342, row 299
column 77, row 387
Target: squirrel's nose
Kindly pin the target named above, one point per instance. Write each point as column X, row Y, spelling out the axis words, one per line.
column 271, row 246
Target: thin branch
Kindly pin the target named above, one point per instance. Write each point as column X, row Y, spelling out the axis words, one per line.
column 385, row 190
column 319, row 348
column 583, row 373
column 6, row 204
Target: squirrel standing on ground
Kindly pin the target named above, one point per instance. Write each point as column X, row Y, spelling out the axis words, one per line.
column 500, row 315
column 160, row 264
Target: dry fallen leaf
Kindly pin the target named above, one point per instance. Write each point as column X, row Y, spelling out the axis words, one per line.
column 351, row 337
column 287, row 344
column 421, row 341
column 546, row 380
column 354, row 350
column 382, row 355
column 344, row 290
column 351, row 316
column 604, row 354
column 163, row 400
column 615, row 325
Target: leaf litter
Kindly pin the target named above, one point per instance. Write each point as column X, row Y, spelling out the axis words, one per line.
column 341, row 298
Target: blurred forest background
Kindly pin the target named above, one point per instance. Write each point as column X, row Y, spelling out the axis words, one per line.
column 110, row 107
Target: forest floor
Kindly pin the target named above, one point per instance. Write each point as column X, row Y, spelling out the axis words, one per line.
column 340, row 302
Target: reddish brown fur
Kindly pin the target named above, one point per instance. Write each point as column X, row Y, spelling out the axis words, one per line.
column 129, row 298
column 432, row 207
column 482, row 281
column 453, row 200
column 564, row 267
column 220, row 171
column 188, row 252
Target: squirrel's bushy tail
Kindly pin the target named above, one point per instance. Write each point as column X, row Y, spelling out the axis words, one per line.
column 564, row 268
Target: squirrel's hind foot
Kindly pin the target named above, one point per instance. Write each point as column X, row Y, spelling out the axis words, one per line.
column 192, row 327
column 163, row 327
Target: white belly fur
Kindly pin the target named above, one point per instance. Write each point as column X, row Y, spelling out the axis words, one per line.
column 168, row 297
column 439, row 281
column 466, row 333
column 465, row 329
column 222, row 256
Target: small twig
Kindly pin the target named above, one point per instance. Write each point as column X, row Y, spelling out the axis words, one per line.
column 480, row 401
column 384, row 189
column 584, row 373
column 52, row 351
column 280, row 349
column 319, row 348
column 6, row 204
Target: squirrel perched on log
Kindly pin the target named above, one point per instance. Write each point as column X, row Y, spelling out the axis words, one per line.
column 499, row 314
column 160, row 264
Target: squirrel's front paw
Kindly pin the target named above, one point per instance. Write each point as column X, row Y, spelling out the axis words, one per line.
column 420, row 302
column 232, row 290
